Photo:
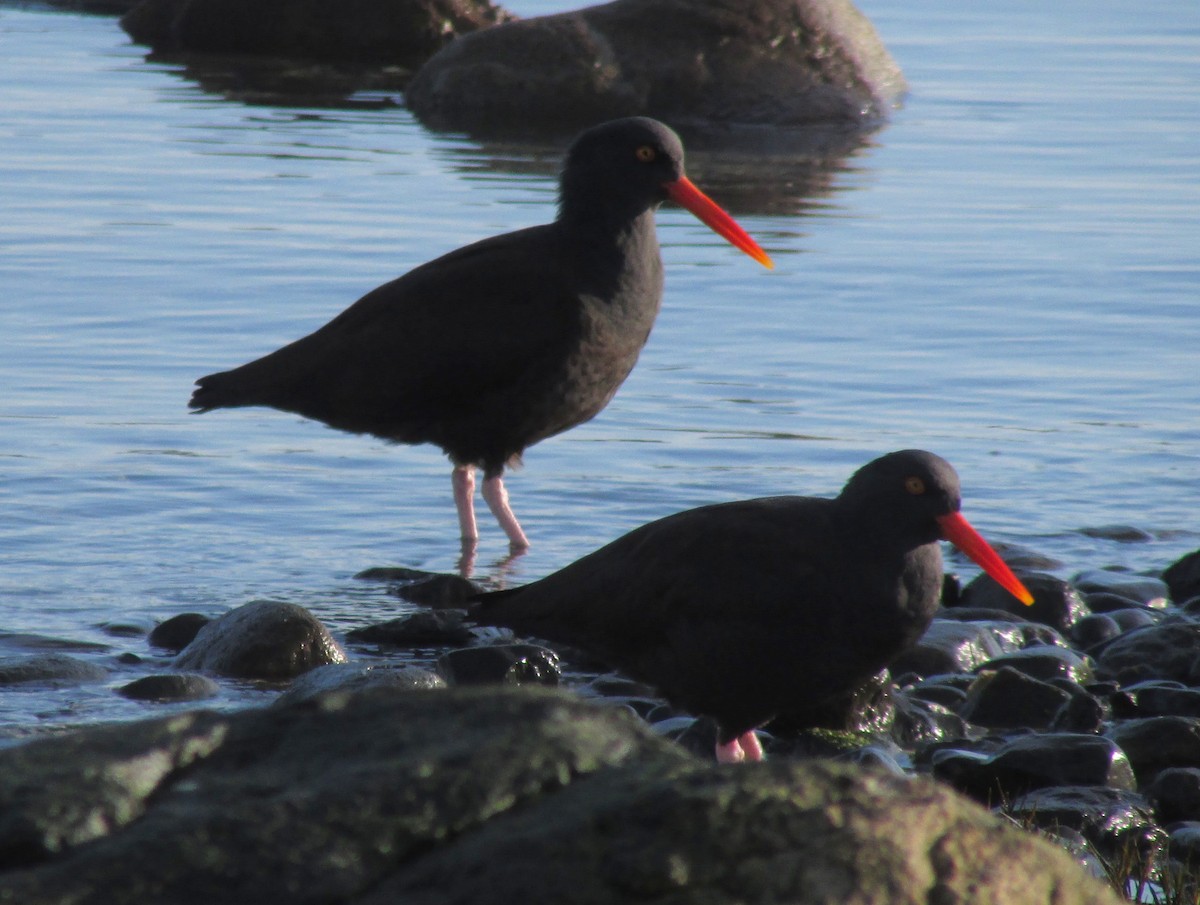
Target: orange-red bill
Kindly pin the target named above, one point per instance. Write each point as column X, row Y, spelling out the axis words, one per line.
column 683, row 191
column 959, row 532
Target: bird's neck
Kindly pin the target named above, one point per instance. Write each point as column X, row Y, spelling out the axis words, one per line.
column 615, row 254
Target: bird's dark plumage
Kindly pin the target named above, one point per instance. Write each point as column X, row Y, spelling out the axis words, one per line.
column 740, row 610
column 493, row 347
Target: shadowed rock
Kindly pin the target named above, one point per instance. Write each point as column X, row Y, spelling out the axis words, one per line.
column 771, row 62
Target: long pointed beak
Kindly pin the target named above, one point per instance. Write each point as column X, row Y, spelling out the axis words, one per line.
column 684, row 192
column 959, row 532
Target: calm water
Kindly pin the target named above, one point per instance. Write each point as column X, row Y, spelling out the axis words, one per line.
column 1007, row 275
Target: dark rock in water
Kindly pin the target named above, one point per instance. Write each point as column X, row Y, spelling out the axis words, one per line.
column 1112, row 819
column 1055, row 602
column 1107, row 601
column 49, row 668
column 1122, row 534
column 1175, row 794
column 1157, row 698
column 920, row 721
column 767, row 62
column 173, row 687
column 178, row 632
column 1170, row 650
column 357, row 677
column 1092, row 631
column 1182, row 577
column 438, row 591
column 1155, row 743
column 509, row 664
column 949, row 645
column 1082, row 713
column 1045, row 662
column 434, row 589
column 1009, row 699
column 1184, row 842
column 1141, row 588
column 415, row 630
column 395, row 32
column 1034, row 762
column 264, row 639
column 125, row 629
column 485, row 797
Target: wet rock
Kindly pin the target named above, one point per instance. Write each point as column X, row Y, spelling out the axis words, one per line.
column 868, row 708
column 1044, row 662
column 1034, row 762
column 172, row 687
column 50, row 669
column 936, row 690
column 952, row 646
column 1163, row 699
column 1182, row 577
column 396, row 32
column 508, row 664
column 918, row 721
column 1135, row 617
column 1144, row 589
column 1083, row 712
column 1107, row 601
column 772, row 62
column 1169, row 650
column 1118, row 822
column 125, row 629
column 1184, row 843
column 483, row 796
column 1156, row 743
column 1092, row 631
column 350, row 678
column 438, row 591
column 1122, row 534
column 1055, row 602
column 415, row 630
column 263, row 639
column 1175, row 794
column 178, row 632
column 1007, row 698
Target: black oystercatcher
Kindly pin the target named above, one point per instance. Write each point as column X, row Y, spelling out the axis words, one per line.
column 491, row 348
column 738, row 610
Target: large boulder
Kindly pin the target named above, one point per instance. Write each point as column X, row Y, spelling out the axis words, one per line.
column 765, row 62
column 481, row 796
column 396, row 32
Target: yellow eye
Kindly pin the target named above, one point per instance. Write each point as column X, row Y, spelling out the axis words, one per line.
column 646, row 154
column 914, row 485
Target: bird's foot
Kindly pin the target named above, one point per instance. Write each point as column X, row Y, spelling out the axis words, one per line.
column 746, row 747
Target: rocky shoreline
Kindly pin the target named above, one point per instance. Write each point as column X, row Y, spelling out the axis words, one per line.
column 1079, row 718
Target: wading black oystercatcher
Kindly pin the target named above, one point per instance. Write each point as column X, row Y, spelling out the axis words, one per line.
column 738, row 610
column 491, row 348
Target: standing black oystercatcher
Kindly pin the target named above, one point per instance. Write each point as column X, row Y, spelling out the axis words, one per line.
column 738, row 610
column 491, row 348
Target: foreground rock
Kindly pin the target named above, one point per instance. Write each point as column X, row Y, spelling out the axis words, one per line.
column 767, row 62
column 482, row 796
column 396, row 32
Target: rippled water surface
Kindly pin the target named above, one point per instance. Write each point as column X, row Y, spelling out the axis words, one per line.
column 1007, row 274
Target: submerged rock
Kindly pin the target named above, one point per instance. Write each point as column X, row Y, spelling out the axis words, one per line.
column 765, row 62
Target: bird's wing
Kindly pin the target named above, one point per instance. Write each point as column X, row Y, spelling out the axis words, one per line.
column 478, row 317
column 720, row 563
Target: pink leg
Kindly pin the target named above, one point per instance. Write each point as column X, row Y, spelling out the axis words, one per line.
column 463, row 481
column 745, row 747
column 497, row 500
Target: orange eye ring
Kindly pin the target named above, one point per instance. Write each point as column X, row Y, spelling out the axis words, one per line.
column 646, row 154
column 914, row 485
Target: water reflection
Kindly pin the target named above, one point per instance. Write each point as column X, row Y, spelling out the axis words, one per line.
column 753, row 169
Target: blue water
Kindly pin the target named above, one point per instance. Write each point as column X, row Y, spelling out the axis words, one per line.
column 1008, row 274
